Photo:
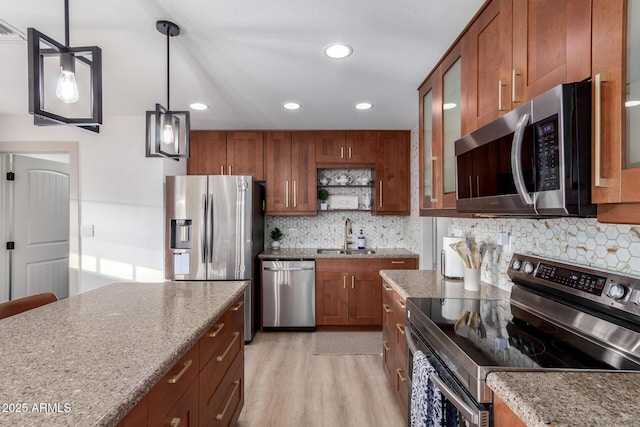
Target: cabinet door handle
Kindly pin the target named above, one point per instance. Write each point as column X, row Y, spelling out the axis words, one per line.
column 295, row 194
column 221, row 169
column 230, row 173
column 470, row 188
column 217, row 331
column 386, row 287
column 514, row 72
column 401, row 304
column 400, row 327
column 350, row 152
column 399, row 372
column 433, row 181
column 385, row 346
column 237, row 306
column 236, row 384
column 353, row 282
column 176, row 422
column 286, row 194
column 477, row 185
column 501, row 106
column 344, row 282
column 223, row 355
column 599, row 180
column 185, row 366
column 342, row 152
column 380, row 193
column 387, row 308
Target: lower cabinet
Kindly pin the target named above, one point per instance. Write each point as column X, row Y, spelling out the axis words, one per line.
column 394, row 344
column 206, row 386
column 503, row 416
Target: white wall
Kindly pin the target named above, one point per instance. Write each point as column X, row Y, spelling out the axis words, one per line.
column 120, row 194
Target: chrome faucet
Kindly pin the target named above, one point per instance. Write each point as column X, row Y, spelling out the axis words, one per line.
column 347, row 231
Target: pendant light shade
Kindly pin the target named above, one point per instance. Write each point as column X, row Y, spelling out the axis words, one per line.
column 65, row 83
column 167, row 131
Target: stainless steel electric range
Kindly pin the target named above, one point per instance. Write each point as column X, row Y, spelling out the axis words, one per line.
column 559, row 317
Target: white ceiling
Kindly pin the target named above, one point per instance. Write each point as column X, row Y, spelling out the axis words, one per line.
column 244, row 58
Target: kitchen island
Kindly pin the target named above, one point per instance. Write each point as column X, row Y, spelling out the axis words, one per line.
column 89, row 359
column 538, row 399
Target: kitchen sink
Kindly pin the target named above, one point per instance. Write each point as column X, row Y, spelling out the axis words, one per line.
column 347, row 252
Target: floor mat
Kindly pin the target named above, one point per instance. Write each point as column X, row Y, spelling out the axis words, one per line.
column 369, row 342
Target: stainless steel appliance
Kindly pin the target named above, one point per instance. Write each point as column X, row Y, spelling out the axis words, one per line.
column 214, row 231
column 534, row 160
column 289, row 294
column 559, row 317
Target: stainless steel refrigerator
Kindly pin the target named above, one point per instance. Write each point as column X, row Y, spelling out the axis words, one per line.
column 215, row 231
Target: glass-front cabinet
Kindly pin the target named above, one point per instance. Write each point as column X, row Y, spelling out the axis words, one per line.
column 440, row 126
column 616, row 110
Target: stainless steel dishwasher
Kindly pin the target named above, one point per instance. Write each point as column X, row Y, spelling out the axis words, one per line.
column 289, row 294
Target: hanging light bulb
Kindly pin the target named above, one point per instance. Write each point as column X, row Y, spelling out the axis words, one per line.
column 167, row 136
column 67, row 88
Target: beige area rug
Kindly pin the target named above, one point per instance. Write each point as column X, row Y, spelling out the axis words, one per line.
column 366, row 342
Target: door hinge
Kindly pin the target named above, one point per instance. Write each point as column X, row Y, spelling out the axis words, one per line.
column 10, row 246
column 11, row 176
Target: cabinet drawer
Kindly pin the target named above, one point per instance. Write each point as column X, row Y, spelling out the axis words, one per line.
column 223, row 408
column 216, row 368
column 332, row 264
column 137, row 416
column 398, row 263
column 220, row 331
column 172, row 386
column 185, row 412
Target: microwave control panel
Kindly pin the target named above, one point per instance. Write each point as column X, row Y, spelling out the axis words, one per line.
column 547, row 154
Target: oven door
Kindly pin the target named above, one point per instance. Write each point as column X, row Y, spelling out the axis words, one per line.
column 470, row 412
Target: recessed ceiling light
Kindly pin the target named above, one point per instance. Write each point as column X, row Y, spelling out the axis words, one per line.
column 338, row 50
column 632, row 103
column 364, row 106
column 449, row 105
column 198, row 106
column 291, row 106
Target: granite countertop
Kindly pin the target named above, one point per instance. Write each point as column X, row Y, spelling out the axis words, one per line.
column 88, row 359
column 431, row 284
column 569, row 399
column 539, row 399
column 312, row 253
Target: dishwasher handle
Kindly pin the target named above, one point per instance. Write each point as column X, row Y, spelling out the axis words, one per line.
column 288, row 268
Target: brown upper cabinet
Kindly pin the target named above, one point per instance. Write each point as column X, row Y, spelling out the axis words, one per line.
column 342, row 149
column 616, row 131
column 442, row 108
column 291, row 173
column 392, row 174
column 227, row 153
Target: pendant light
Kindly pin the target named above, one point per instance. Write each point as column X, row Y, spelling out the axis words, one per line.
column 167, row 131
column 78, row 71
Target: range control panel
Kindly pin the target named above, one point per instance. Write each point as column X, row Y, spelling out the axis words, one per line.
column 604, row 287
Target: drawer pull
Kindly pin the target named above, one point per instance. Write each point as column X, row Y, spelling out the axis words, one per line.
column 386, row 287
column 397, row 262
column 176, row 422
column 174, row 379
column 400, row 327
column 401, row 303
column 236, row 384
column 223, row 355
column 217, row 331
column 399, row 372
column 387, row 308
column 237, row 306
column 386, row 346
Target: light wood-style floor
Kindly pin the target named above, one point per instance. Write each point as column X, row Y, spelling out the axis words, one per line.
column 287, row 385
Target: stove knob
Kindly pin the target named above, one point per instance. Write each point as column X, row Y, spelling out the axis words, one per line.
column 516, row 264
column 617, row 291
column 528, row 267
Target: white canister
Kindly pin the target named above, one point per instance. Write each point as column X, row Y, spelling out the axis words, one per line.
column 451, row 265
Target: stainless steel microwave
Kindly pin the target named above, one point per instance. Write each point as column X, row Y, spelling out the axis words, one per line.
column 533, row 161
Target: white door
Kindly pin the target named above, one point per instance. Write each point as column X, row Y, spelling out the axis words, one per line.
column 41, row 227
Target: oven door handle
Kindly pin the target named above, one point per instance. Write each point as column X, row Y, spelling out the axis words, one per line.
column 469, row 413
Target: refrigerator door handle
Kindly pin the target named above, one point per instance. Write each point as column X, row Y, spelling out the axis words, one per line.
column 204, row 229
column 210, row 234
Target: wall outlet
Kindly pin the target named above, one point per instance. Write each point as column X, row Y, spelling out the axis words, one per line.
column 86, row 230
column 503, row 238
